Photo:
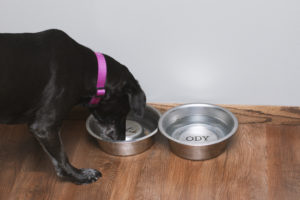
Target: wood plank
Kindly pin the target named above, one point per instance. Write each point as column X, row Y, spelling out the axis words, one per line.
column 262, row 162
column 283, row 151
column 247, row 114
column 12, row 143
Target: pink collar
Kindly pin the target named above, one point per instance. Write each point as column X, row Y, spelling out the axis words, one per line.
column 102, row 70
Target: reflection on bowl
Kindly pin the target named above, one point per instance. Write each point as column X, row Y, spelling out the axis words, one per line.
column 198, row 131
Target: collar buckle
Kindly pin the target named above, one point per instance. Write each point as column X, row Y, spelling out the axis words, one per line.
column 100, row 92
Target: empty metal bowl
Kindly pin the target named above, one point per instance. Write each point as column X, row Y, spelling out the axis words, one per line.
column 198, row 131
column 139, row 134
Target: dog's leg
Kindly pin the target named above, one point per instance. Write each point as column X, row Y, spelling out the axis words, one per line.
column 50, row 140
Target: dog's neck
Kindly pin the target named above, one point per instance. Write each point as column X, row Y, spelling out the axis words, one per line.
column 101, row 79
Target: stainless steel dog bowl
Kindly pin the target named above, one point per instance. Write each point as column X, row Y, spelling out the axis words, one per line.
column 198, row 131
column 139, row 134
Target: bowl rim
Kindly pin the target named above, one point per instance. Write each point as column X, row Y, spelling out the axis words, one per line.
column 123, row 141
column 230, row 134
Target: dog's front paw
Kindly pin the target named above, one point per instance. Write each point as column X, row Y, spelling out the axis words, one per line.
column 86, row 176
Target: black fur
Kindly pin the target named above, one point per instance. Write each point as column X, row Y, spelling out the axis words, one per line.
column 43, row 75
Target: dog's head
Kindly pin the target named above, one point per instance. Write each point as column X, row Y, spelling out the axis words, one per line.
column 123, row 93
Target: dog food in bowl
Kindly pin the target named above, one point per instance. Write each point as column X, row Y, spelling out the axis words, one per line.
column 139, row 134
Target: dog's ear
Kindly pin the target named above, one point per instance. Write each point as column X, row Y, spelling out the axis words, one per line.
column 137, row 99
column 137, row 102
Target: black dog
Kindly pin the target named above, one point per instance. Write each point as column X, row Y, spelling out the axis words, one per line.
column 43, row 75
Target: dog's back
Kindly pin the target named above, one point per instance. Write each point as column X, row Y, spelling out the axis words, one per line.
column 28, row 62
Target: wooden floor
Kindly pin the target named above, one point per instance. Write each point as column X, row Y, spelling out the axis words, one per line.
column 262, row 162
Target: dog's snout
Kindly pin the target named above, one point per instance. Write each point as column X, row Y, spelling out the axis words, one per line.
column 113, row 130
column 115, row 135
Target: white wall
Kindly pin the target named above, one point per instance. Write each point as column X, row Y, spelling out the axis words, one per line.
column 228, row 52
